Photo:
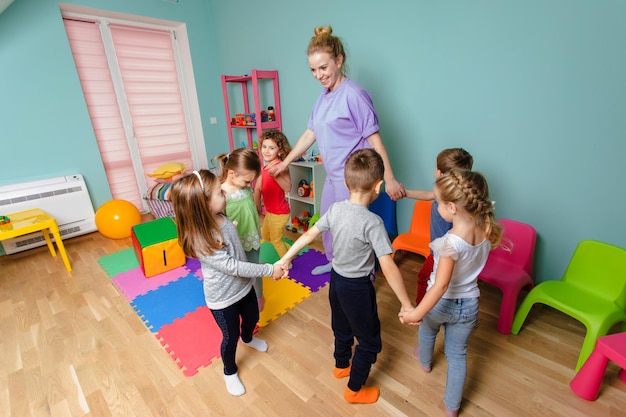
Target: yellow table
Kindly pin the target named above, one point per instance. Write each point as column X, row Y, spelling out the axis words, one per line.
column 34, row 220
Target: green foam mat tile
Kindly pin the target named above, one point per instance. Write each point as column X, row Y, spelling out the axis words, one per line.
column 119, row 262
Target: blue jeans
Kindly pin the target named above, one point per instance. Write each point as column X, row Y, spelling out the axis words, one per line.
column 458, row 317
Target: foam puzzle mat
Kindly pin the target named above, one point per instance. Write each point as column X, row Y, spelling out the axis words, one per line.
column 172, row 304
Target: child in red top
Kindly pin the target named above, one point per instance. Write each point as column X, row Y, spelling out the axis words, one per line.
column 274, row 147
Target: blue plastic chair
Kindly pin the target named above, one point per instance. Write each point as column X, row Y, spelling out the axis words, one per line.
column 385, row 207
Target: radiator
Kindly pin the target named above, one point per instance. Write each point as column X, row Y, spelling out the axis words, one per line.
column 65, row 198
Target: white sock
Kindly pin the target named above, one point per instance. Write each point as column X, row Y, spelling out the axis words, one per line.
column 256, row 343
column 322, row 269
column 234, row 385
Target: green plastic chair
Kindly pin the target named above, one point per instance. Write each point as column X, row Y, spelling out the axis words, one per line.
column 592, row 290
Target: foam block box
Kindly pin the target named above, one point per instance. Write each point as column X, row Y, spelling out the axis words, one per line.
column 156, row 246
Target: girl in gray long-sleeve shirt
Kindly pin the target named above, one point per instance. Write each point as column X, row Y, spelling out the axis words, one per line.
column 207, row 234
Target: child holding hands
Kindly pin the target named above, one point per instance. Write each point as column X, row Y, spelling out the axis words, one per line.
column 205, row 233
column 359, row 236
column 274, row 147
column 451, row 299
column 239, row 169
column 448, row 159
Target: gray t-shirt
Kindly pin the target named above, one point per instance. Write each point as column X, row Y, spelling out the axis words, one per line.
column 359, row 237
column 227, row 275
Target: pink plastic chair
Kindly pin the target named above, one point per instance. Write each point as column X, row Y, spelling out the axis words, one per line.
column 510, row 268
column 586, row 383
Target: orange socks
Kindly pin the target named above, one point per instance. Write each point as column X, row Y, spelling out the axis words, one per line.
column 366, row 395
column 342, row 372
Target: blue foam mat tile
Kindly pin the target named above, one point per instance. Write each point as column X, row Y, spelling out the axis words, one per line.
column 169, row 302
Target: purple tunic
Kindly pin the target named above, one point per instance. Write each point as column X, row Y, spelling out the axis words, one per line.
column 342, row 120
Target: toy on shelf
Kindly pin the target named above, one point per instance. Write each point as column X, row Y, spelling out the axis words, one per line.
column 304, row 189
column 250, row 119
column 301, row 222
column 308, row 158
column 238, row 120
column 4, row 220
column 270, row 114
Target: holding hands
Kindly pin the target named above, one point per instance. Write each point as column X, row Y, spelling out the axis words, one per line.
column 394, row 189
column 404, row 314
column 408, row 317
column 281, row 270
column 276, row 169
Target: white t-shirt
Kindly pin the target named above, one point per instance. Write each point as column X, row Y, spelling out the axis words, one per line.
column 469, row 261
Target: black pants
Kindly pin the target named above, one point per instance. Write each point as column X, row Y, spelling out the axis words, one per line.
column 235, row 320
column 354, row 315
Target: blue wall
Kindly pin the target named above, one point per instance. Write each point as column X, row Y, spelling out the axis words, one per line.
column 45, row 124
column 534, row 90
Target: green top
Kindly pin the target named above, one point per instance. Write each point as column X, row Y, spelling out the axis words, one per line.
column 241, row 210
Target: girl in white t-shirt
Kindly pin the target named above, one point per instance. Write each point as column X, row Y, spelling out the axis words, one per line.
column 452, row 296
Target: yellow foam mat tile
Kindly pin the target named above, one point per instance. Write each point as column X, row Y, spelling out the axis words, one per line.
column 280, row 296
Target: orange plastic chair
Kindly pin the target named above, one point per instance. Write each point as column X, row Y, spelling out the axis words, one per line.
column 416, row 240
column 510, row 268
column 592, row 290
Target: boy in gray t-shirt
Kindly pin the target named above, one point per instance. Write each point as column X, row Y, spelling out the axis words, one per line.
column 359, row 237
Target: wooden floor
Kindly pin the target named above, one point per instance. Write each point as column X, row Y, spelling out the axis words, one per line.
column 70, row 345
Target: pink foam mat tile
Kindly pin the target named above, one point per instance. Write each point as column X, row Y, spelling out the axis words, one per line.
column 193, row 341
column 133, row 283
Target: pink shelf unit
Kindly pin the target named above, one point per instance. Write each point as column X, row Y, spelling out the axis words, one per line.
column 243, row 80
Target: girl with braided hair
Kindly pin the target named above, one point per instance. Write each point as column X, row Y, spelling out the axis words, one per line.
column 451, row 298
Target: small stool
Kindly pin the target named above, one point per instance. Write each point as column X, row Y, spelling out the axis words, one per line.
column 586, row 383
column 35, row 220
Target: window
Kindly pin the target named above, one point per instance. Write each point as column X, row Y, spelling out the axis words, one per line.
column 135, row 92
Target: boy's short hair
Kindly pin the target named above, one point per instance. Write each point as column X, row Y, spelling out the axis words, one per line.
column 363, row 169
column 454, row 158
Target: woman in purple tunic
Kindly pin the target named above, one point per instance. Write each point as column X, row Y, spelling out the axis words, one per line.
column 342, row 121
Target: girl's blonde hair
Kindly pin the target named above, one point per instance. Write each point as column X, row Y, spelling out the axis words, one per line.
column 469, row 191
column 198, row 232
column 279, row 139
column 324, row 41
column 240, row 160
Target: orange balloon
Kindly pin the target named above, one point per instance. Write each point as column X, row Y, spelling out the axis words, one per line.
column 115, row 218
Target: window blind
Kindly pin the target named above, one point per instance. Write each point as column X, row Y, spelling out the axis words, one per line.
column 130, row 82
